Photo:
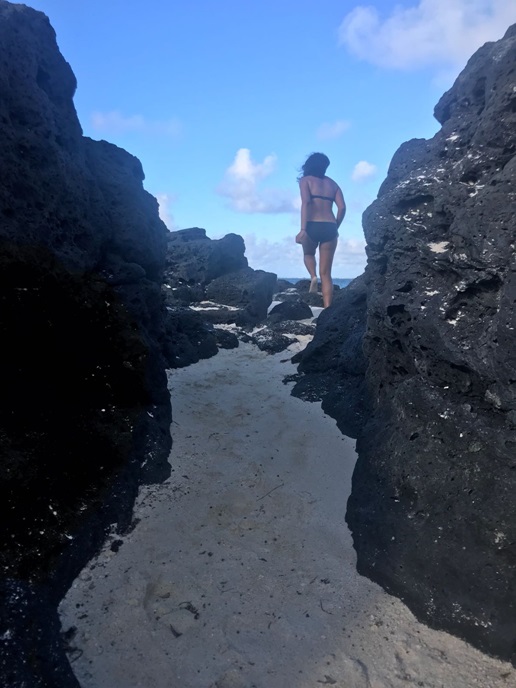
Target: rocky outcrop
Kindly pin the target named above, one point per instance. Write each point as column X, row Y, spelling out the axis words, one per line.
column 193, row 258
column 87, row 412
column 432, row 509
column 290, row 310
column 248, row 290
column 209, row 283
column 332, row 367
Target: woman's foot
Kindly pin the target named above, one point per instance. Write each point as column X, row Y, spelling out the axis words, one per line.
column 313, row 285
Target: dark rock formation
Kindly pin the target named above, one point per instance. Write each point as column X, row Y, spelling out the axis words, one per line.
column 290, row 310
column 292, row 327
column 207, row 283
column 193, row 258
column 249, row 290
column 333, row 364
column 270, row 341
column 188, row 337
column 226, row 339
column 87, row 412
column 432, row 509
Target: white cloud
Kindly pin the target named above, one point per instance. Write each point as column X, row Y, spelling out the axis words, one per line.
column 285, row 257
column 241, row 186
column 431, row 32
column 332, row 130
column 164, row 202
column 116, row 123
column 363, row 170
column 350, row 257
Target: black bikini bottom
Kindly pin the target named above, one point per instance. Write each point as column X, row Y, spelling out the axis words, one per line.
column 320, row 232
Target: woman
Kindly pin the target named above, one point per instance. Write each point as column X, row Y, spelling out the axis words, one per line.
column 319, row 226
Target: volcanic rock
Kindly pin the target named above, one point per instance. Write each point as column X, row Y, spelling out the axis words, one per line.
column 432, row 509
column 270, row 341
column 193, row 258
column 333, row 364
column 87, row 413
column 247, row 289
column 290, row 310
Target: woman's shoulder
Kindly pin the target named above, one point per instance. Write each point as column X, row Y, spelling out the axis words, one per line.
column 333, row 182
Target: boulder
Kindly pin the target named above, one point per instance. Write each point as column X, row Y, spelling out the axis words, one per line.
column 293, row 327
column 270, row 341
column 188, row 337
column 290, row 310
column 247, row 289
column 193, row 258
column 226, row 339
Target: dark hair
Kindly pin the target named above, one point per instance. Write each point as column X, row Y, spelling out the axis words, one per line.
column 315, row 165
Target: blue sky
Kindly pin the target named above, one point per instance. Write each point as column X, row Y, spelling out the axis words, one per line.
column 222, row 100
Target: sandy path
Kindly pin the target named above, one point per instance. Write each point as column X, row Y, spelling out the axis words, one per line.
column 241, row 571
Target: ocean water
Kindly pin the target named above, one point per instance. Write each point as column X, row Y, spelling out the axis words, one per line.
column 339, row 281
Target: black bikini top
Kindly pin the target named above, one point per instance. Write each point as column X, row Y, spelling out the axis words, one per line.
column 326, row 198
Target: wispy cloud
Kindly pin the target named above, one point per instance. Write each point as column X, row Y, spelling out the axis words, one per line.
column 115, row 122
column 363, row 170
column 430, row 32
column 241, row 185
column 285, row 257
column 332, row 130
column 164, row 202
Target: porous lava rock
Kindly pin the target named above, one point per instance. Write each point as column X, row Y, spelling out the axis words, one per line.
column 193, row 258
column 212, row 277
column 87, row 412
column 333, row 365
column 248, row 290
column 290, row 310
column 292, row 327
column 432, row 508
column 270, row 341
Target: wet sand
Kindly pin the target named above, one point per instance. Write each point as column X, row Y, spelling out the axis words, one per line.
column 240, row 572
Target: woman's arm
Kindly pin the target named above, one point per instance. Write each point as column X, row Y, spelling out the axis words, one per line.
column 305, row 200
column 341, row 206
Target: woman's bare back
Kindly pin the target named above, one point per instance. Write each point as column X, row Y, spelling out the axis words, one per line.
column 321, row 193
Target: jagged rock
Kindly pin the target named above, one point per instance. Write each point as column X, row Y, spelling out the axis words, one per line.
column 312, row 298
column 270, row 341
column 292, row 327
column 333, row 365
column 183, row 294
column 226, row 339
column 315, row 299
column 432, row 508
column 284, row 285
column 290, row 310
column 193, row 258
column 188, row 338
column 216, row 313
column 289, row 295
column 302, row 286
column 249, row 290
column 82, row 252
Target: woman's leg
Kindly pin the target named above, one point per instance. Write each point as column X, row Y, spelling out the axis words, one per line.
column 309, row 248
column 326, row 253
